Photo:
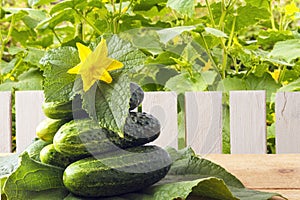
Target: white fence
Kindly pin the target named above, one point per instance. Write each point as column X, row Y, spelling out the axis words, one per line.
column 203, row 120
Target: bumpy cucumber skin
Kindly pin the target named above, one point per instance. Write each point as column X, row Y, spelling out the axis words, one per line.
column 137, row 96
column 50, row 156
column 85, row 137
column 35, row 148
column 65, row 110
column 48, row 127
column 117, row 172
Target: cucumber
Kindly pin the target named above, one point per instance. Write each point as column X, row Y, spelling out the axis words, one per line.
column 117, row 172
column 137, row 96
column 65, row 110
column 85, row 137
column 50, row 156
column 48, row 127
column 34, row 149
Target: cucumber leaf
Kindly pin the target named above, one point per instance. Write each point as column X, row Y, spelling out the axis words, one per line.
column 7, row 165
column 34, row 180
column 108, row 103
column 58, row 83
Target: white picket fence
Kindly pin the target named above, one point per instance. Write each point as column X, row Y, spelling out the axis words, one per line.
column 203, row 120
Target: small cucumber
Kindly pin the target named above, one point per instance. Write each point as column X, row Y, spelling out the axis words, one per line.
column 49, row 155
column 35, row 148
column 48, row 127
column 85, row 137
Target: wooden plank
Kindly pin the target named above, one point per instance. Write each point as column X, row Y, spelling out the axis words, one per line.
column 289, row 194
column 248, row 122
column 28, row 115
column 5, row 122
column 265, row 171
column 163, row 105
column 287, row 109
column 203, row 114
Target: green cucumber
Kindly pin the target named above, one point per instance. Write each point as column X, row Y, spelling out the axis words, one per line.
column 117, row 172
column 50, row 156
column 48, row 127
column 34, row 149
column 65, row 110
column 85, row 137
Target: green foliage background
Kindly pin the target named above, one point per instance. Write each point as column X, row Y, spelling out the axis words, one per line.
column 205, row 45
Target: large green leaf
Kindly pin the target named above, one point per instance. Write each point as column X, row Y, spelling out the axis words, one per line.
column 58, row 83
column 34, row 180
column 248, row 15
column 169, row 33
column 187, row 83
column 266, row 82
column 229, row 84
column 287, row 50
column 123, row 51
column 184, row 7
column 108, row 103
column 7, row 165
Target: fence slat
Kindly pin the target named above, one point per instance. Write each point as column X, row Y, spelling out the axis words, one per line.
column 163, row 105
column 204, row 121
column 287, row 109
column 28, row 115
column 5, row 122
column 248, row 122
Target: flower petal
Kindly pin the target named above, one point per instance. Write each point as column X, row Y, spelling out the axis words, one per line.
column 75, row 70
column 105, row 76
column 100, row 53
column 84, row 51
column 88, row 81
column 114, row 65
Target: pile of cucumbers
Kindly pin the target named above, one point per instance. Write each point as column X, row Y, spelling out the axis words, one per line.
column 98, row 162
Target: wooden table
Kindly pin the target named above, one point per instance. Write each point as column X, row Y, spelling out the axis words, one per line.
column 273, row 173
column 278, row 173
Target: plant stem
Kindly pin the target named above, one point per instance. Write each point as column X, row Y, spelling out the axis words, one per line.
column 231, row 33
column 6, row 40
column 53, row 31
column 282, row 74
column 209, row 53
column 272, row 15
column 210, row 14
column 120, row 7
column 89, row 22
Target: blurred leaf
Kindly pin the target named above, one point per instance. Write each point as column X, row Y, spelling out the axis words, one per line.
column 291, row 87
column 184, row 7
column 30, row 80
column 287, row 50
column 169, row 33
column 148, row 4
column 216, row 32
column 184, row 82
column 33, row 3
column 259, row 3
column 229, row 84
column 265, row 82
column 34, row 56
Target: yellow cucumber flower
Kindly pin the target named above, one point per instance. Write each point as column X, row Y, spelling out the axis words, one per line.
column 94, row 65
